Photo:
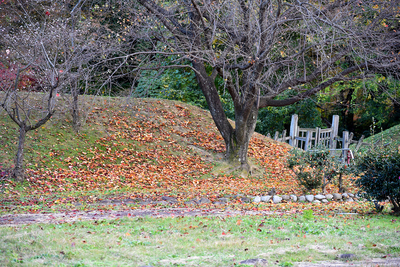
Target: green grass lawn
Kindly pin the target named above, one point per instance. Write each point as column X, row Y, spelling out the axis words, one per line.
column 389, row 136
column 282, row 240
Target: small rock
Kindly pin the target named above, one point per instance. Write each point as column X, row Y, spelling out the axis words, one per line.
column 203, row 200
column 309, row 198
column 130, row 200
column 104, row 202
column 161, row 202
column 324, row 200
column 223, row 199
column 293, row 198
column 319, row 197
column 169, row 199
column 246, row 200
column 116, row 201
column 302, row 198
column 257, row 199
column 349, row 199
column 329, row 196
column 219, row 203
column 316, row 201
column 346, row 256
column 345, row 195
column 238, row 196
column 285, row 197
column 190, row 202
column 265, row 198
column 351, row 195
column 144, row 202
column 258, row 262
column 276, row 199
column 272, row 192
column 337, row 196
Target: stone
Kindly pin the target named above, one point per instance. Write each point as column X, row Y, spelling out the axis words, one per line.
column 219, row 203
column 246, row 199
column 223, row 199
column 131, row 201
column 324, row 200
column 302, row 198
column 345, row 195
column 337, row 196
column 169, row 199
column 256, row 262
column 161, row 202
column 276, row 199
column 309, row 198
column 316, row 201
column 349, row 199
column 238, row 196
column 265, row 198
column 329, row 196
column 272, row 192
column 319, row 197
column 190, row 202
column 104, row 202
column 351, row 195
column 293, row 198
column 144, row 202
column 257, row 199
column 285, row 197
column 203, row 200
column 346, row 256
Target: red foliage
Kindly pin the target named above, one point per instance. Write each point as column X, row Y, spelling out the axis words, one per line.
column 8, row 74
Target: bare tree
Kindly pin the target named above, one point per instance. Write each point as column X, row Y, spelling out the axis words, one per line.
column 40, row 60
column 271, row 52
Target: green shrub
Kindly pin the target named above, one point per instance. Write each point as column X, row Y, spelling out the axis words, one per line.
column 316, row 168
column 379, row 172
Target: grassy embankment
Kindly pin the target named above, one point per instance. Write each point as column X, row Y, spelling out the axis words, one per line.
column 135, row 148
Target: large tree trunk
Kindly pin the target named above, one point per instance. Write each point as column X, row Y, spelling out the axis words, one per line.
column 18, row 172
column 236, row 139
column 237, row 147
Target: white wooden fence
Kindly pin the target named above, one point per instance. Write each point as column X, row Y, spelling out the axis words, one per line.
column 307, row 138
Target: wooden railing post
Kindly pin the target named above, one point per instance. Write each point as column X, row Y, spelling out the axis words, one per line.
column 276, row 136
column 283, row 136
column 335, row 130
column 345, row 144
column 294, row 130
column 317, row 137
column 307, row 144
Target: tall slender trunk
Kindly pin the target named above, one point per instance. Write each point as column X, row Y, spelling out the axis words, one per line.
column 18, row 172
column 75, row 107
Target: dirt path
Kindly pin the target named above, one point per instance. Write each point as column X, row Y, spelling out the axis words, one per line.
column 20, row 219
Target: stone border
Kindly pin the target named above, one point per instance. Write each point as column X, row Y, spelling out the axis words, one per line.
column 319, row 198
column 274, row 199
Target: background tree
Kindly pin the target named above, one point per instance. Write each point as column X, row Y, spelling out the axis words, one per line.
column 271, row 53
column 40, row 59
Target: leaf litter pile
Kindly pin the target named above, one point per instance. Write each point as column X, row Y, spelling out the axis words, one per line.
column 157, row 148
